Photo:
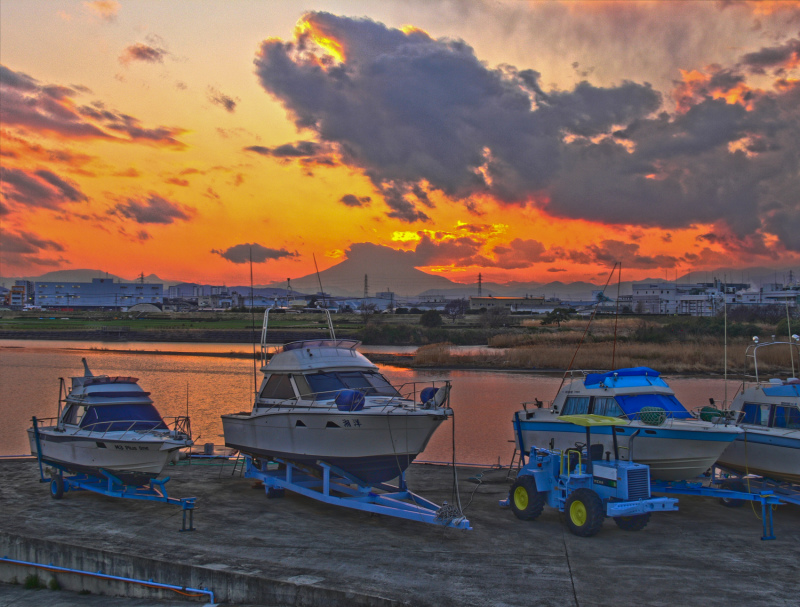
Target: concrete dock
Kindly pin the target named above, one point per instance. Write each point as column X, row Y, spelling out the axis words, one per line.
column 250, row 550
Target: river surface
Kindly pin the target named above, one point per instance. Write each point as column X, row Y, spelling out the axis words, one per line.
column 483, row 401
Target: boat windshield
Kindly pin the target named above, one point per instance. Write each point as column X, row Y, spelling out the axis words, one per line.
column 632, row 403
column 114, row 418
column 326, row 385
column 623, row 406
column 580, row 405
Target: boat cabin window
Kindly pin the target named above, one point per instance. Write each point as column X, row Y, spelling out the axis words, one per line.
column 757, row 415
column 278, row 386
column 606, row 405
column 119, row 418
column 787, row 417
column 576, row 405
column 73, row 414
column 326, row 385
column 302, row 385
column 602, row 405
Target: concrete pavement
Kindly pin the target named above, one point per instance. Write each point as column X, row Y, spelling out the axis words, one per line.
column 294, row 551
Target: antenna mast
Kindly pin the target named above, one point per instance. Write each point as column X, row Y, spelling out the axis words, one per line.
column 321, row 290
column 253, row 327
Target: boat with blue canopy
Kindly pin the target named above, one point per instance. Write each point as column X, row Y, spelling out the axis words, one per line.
column 662, row 433
column 768, row 411
column 108, row 423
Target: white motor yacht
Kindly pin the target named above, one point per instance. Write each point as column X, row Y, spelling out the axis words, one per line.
column 321, row 400
column 769, row 414
column 662, row 433
column 108, row 424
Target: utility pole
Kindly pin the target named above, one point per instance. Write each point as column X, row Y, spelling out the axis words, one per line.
column 480, row 284
column 366, row 286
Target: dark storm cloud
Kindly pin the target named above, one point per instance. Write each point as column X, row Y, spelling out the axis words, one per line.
column 49, row 109
column 25, row 242
column 610, row 251
column 307, row 153
column 43, row 189
column 218, row 98
column 153, row 209
column 417, row 114
column 773, row 57
column 406, row 108
column 142, row 52
column 23, row 248
column 351, row 200
column 241, row 253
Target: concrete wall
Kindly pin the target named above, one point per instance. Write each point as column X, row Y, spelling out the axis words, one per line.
column 227, row 585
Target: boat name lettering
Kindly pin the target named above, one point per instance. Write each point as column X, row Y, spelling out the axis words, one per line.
column 129, row 448
column 349, row 424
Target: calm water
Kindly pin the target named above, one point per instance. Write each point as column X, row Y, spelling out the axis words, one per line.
column 484, row 401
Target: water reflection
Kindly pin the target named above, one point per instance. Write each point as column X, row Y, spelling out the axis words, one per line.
column 484, row 401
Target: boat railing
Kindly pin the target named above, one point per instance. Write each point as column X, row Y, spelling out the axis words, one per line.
column 100, row 429
column 179, row 424
column 751, row 356
column 267, row 348
column 47, row 421
column 408, row 396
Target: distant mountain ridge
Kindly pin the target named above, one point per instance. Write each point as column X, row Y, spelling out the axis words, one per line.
column 388, row 270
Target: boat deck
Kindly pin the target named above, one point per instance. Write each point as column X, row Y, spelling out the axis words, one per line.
column 250, row 550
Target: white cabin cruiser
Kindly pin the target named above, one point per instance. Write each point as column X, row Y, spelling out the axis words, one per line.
column 769, row 413
column 321, row 400
column 109, row 424
column 661, row 433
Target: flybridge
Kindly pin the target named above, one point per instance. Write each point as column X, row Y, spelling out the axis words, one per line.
column 625, row 378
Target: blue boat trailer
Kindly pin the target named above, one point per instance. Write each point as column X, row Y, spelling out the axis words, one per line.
column 61, row 481
column 335, row 486
column 768, row 493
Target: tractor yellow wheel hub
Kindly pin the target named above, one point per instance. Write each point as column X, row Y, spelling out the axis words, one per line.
column 577, row 512
column 521, row 498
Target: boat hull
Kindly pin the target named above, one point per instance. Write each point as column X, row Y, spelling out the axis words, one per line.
column 133, row 460
column 679, row 450
column 374, row 447
column 771, row 454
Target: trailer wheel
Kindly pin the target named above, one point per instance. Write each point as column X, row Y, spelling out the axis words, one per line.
column 57, row 487
column 632, row 523
column 526, row 501
column 585, row 512
column 732, row 485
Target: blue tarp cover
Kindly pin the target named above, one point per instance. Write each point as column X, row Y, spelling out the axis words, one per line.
column 122, row 417
column 787, row 390
column 596, row 378
column 632, row 404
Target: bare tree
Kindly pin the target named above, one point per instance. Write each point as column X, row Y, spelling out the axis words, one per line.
column 455, row 309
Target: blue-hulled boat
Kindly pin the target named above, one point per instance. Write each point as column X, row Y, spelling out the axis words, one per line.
column 662, row 433
column 769, row 414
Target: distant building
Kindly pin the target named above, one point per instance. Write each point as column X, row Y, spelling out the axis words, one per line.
column 22, row 294
column 101, row 293
column 707, row 299
column 512, row 304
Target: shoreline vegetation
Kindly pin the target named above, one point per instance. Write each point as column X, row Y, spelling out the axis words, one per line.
column 676, row 345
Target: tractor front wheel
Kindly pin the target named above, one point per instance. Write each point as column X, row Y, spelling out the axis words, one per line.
column 526, row 502
column 585, row 512
column 632, row 523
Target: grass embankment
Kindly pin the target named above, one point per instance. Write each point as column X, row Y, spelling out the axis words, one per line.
column 690, row 346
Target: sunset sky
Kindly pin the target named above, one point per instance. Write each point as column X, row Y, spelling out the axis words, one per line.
column 527, row 141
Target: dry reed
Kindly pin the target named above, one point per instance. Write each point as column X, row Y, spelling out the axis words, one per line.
column 691, row 357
